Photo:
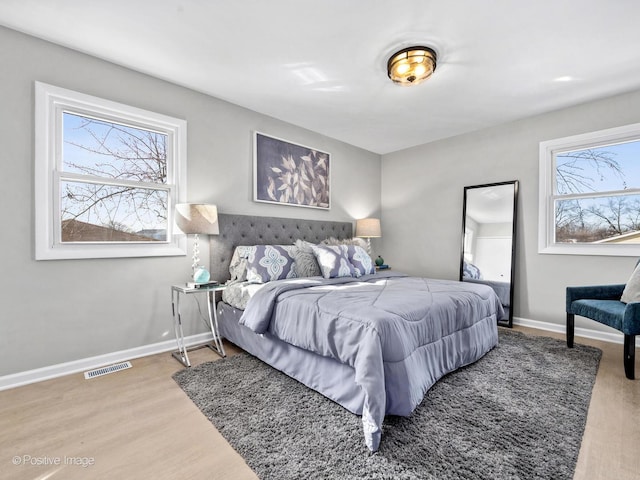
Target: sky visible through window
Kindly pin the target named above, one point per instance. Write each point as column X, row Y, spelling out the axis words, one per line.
column 611, row 173
column 627, row 156
column 115, row 153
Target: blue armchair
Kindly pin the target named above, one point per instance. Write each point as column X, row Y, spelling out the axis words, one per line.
column 602, row 304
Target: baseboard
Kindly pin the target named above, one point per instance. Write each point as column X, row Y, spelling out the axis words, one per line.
column 611, row 337
column 53, row 371
column 59, row 370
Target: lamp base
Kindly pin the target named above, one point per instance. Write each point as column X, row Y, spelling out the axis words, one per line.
column 202, row 285
column 201, row 275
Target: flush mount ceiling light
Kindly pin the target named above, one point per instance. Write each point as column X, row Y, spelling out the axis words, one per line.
column 412, row 65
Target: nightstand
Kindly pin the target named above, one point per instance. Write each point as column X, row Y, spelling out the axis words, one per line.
column 210, row 293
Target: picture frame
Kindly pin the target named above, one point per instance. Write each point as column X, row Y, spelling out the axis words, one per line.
column 287, row 173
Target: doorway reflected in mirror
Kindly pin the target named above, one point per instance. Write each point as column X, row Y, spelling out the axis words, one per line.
column 489, row 214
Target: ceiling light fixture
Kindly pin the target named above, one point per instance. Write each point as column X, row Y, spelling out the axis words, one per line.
column 412, row 65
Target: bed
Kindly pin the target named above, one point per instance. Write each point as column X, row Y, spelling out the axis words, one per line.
column 471, row 273
column 374, row 343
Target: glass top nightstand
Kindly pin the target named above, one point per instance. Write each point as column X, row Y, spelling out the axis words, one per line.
column 216, row 344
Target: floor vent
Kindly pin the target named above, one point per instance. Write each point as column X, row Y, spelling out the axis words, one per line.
column 106, row 370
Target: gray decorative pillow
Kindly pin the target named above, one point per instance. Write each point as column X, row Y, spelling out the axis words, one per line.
column 631, row 292
column 360, row 260
column 334, row 261
column 348, row 241
column 306, row 264
column 270, row 262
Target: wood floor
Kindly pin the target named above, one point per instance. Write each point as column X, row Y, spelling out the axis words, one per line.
column 138, row 424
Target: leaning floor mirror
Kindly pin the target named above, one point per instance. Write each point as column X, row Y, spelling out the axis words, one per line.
column 489, row 239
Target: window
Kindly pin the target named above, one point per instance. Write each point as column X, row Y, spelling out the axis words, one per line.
column 106, row 178
column 590, row 193
column 468, row 243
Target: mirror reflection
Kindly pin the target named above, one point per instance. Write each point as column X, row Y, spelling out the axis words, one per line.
column 488, row 240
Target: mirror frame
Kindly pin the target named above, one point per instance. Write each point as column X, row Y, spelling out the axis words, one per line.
column 509, row 321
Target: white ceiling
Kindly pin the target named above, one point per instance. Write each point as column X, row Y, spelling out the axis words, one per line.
column 320, row 64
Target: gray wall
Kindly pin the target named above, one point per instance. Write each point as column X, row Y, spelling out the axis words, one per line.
column 65, row 310
column 422, row 190
column 60, row 311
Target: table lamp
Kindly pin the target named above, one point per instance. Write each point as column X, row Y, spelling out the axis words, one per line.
column 368, row 228
column 196, row 219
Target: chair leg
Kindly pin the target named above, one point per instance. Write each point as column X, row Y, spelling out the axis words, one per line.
column 570, row 329
column 629, row 356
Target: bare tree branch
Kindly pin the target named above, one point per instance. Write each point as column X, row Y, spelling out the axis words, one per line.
column 570, row 175
column 129, row 154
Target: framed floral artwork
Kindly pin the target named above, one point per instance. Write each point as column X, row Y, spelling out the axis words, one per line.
column 290, row 174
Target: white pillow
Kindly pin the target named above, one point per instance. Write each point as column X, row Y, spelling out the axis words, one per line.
column 332, row 241
column 631, row 291
column 238, row 265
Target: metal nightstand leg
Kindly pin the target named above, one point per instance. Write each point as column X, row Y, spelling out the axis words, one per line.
column 181, row 354
column 217, row 345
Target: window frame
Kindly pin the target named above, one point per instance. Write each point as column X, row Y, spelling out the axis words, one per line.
column 547, row 191
column 50, row 103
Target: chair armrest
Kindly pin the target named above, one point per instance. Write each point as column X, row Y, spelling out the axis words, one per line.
column 631, row 322
column 594, row 292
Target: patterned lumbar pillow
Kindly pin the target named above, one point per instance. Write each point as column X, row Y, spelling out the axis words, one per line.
column 360, row 260
column 334, row 261
column 469, row 270
column 266, row 263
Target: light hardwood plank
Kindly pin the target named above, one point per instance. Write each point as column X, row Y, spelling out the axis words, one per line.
column 138, row 424
column 134, row 424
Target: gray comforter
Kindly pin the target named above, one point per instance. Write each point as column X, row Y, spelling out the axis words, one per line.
column 400, row 334
column 502, row 289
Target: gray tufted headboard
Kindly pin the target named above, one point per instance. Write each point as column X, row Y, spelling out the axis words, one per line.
column 250, row 230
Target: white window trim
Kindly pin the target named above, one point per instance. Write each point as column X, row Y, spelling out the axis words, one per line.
column 546, row 214
column 49, row 100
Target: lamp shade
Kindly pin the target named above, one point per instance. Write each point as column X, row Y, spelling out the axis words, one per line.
column 368, row 228
column 197, row 218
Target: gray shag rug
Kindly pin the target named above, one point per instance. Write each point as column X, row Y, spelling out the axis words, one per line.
column 517, row 413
